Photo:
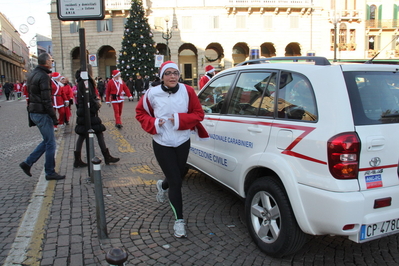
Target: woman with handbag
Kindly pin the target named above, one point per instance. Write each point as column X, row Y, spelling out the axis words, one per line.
column 95, row 120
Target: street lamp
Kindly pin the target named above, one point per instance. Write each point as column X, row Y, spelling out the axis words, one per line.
column 167, row 36
column 335, row 19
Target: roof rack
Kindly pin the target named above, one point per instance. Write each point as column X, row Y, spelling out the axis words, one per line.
column 318, row 60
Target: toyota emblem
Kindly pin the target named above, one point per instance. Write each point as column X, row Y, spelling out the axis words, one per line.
column 375, row 161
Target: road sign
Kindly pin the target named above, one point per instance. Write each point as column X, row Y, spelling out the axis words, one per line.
column 74, row 10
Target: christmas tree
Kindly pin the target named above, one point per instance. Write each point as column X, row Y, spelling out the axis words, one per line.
column 138, row 47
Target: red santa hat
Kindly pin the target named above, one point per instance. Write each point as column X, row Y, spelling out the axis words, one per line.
column 55, row 75
column 166, row 65
column 209, row 69
column 115, row 73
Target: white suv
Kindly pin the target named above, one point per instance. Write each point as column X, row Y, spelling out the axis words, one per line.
column 313, row 148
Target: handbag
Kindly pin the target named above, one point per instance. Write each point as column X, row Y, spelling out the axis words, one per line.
column 30, row 122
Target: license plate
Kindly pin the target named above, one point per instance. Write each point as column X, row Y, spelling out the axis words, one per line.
column 378, row 230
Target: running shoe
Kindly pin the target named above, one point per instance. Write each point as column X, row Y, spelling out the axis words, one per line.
column 161, row 195
column 179, row 227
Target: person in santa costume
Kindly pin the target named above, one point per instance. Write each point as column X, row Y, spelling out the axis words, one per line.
column 69, row 95
column 170, row 112
column 25, row 91
column 18, row 89
column 210, row 72
column 59, row 99
column 114, row 94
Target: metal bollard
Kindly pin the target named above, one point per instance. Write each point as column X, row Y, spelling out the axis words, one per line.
column 98, row 190
column 116, row 256
column 91, row 153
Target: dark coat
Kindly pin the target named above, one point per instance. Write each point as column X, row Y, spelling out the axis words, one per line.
column 101, row 87
column 8, row 87
column 139, row 84
column 39, row 88
column 95, row 120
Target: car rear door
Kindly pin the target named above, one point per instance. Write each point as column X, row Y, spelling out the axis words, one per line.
column 374, row 98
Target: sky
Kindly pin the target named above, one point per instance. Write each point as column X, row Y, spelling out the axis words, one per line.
column 18, row 11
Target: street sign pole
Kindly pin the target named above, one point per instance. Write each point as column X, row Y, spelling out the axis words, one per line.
column 80, row 10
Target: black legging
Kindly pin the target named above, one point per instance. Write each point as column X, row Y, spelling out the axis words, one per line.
column 173, row 162
column 100, row 139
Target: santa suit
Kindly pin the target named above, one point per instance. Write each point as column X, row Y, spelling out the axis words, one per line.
column 114, row 94
column 18, row 89
column 204, row 79
column 69, row 96
column 59, row 98
column 183, row 106
column 25, row 91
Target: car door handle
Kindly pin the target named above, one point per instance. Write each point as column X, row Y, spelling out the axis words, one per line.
column 375, row 144
column 255, row 129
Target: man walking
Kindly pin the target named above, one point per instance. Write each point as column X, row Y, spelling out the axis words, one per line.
column 130, row 85
column 139, row 86
column 42, row 113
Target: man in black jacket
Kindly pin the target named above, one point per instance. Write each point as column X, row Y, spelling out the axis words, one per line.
column 130, row 85
column 7, row 88
column 42, row 113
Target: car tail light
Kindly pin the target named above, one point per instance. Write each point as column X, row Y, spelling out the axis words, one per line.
column 381, row 203
column 343, row 155
column 348, row 227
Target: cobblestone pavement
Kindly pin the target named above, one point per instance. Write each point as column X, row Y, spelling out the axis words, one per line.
column 64, row 228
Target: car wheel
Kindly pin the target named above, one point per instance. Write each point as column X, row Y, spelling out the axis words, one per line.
column 270, row 219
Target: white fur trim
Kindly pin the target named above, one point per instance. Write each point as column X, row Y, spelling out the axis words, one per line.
column 169, row 65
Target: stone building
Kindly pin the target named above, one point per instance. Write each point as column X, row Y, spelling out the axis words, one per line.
column 196, row 33
column 14, row 54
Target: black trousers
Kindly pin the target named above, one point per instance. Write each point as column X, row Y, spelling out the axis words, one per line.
column 172, row 161
column 100, row 139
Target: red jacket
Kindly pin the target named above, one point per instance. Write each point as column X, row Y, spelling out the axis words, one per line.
column 58, row 94
column 18, row 87
column 25, row 91
column 204, row 79
column 190, row 120
column 114, row 91
column 68, row 91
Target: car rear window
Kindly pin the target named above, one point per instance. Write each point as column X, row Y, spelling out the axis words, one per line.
column 374, row 97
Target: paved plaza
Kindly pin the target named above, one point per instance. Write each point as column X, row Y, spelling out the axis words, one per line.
column 55, row 222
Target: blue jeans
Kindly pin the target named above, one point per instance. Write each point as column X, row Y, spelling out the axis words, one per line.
column 45, row 124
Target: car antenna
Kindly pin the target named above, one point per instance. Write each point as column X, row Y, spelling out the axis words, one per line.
column 371, row 60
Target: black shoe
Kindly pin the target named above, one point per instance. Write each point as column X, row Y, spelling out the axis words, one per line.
column 55, row 176
column 67, row 123
column 26, row 168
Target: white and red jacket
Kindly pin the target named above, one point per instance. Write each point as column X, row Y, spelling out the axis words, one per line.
column 18, row 87
column 58, row 95
column 203, row 80
column 25, row 91
column 115, row 90
column 183, row 106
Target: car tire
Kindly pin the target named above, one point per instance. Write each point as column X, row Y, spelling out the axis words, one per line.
column 270, row 219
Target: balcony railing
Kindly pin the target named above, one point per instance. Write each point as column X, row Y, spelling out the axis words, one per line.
column 345, row 15
column 382, row 23
column 118, row 4
column 270, row 3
